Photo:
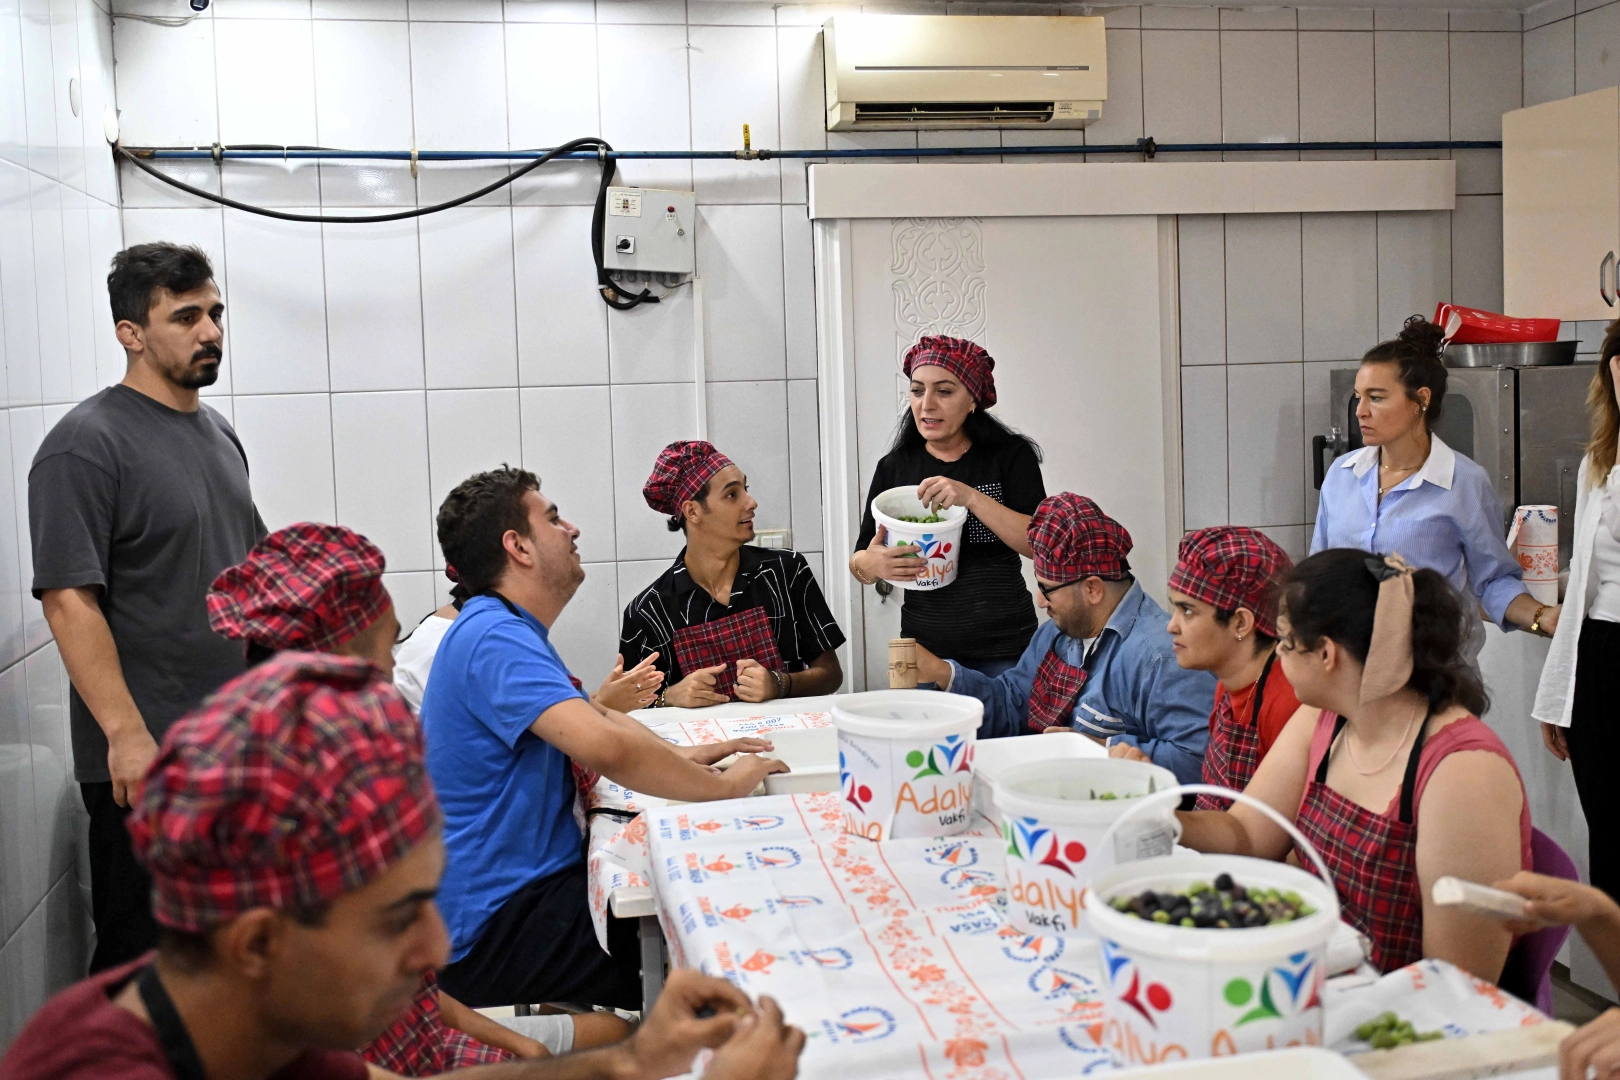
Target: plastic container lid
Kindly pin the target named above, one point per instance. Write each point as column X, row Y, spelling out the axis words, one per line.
column 1061, row 790
column 907, row 714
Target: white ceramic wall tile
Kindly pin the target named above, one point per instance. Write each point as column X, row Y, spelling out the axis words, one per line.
column 1318, row 419
column 288, row 439
column 1486, row 81
column 734, row 82
column 1546, row 12
column 810, row 14
column 276, row 306
column 363, row 84
column 739, row 257
column 82, row 321
column 563, row 445
column 1411, row 85
column 1260, row 90
column 798, row 290
column 292, row 184
column 23, row 884
column 373, row 306
column 1202, row 248
column 729, row 13
column 13, row 113
column 1486, row 21
column 488, row 11
column 804, row 464
column 1549, row 62
column 50, row 278
column 1589, row 335
column 587, row 632
column 652, row 343
column 46, row 726
column 1597, row 49
column 27, row 432
column 252, row 55
column 1203, row 446
column 359, row 9
column 1414, row 266
column 1259, row 19
column 166, row 86
column 469, row 431
column 1340, row 263
column 1476, row 252
column 1479, row 172
column 141, row 191
column 413, row 595
column 39, row 87
column 1264, row 404
column 1335, row 19
column 17, row 292
column 550, row 11
column 641, row 11
column 1335, row 86
column 638, row 65
column 106, row 240
column 469, row 318
column 561, row 319
column 646, row 418
column 1121, row 120
column 635, row 576
column 1181, row 84
column 263, row 9
column 745, row 420
column 551, row 83
column 1294, row 539
column 69, row 135
column 458, row 85
column 1409, row 19
column 1263, row 289
column 96, row 71
column 380, row 459
column 1173, row 17
column 801, row 98
column 13, row 529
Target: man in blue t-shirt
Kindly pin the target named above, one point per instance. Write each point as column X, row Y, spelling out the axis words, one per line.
column 505, row 725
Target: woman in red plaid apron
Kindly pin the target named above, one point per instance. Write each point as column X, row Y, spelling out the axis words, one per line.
column 1223, row 619
column 1392, row 777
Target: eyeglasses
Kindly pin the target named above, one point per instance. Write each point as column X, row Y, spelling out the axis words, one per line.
column 1048, row 590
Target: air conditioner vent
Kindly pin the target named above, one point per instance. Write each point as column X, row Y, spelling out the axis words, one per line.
column 964, row 114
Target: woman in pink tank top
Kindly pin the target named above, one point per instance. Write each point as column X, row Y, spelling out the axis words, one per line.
column 1386, row 768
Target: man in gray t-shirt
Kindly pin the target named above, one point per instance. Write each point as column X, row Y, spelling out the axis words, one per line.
column 137, row 499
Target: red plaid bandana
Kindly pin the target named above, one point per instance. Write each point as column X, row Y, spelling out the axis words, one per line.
column 308, row 586
column 1231, row 567
column 297, row 783
column 1073, row 539
column 964, row 359
column 681, row 470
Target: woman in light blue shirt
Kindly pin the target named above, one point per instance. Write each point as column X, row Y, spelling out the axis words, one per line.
column 1406, row 491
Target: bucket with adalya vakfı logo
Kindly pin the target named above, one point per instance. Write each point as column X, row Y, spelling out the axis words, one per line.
column 905, row 762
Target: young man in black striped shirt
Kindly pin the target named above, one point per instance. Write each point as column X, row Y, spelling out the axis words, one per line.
column 727, row 620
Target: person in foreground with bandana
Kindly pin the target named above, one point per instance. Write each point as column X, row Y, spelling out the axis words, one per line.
column 1389, row 773
column 727, row 619
column 293, row 840
column 951, row 447
column 1102, row 665
column 512, row 740
column 318, row 588
column 1223, row 619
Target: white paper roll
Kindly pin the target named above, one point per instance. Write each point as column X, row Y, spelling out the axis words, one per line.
column 1534, row 542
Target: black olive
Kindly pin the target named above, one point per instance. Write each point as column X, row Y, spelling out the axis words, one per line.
column 1223, row 883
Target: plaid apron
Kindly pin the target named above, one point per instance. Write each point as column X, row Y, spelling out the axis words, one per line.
column 1373, row 859
column 421, row 1044
column 1234, row 749
column 1053, row 693
column 743, row 636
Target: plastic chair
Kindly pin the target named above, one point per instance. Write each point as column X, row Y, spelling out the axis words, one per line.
column 1527, row 974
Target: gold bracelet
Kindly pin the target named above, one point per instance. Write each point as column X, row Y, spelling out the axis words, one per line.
column 1535, row 621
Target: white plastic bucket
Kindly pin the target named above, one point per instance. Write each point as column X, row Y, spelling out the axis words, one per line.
column 940, row 544
column 1173, row 992
column 905, row 762
column 1054, row 827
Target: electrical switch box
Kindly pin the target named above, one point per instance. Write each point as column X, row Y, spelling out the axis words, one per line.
column 649, row 231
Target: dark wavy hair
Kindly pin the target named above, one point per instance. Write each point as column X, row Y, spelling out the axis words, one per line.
column 1333, row 595
column 1415, row 352
column 983, row 429
column 474, row 519
column 139, row 272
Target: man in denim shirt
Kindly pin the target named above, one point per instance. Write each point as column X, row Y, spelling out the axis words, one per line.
column 1103, row 664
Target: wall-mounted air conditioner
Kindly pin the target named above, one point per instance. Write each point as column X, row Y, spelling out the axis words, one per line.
column 894, row 72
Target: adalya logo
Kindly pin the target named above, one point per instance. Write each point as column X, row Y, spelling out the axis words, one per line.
column 831, row 959
column 759, row 823
column 1029, row 841
column 936, row 556
column 957, row 853
column 1297, row 988
column 1029, row 948
column 1048, row 901
column 954, row 755
column 776, row 857
column 864, row 1024
column 1147, row 1000
column 856, row 793
column 1055, row 984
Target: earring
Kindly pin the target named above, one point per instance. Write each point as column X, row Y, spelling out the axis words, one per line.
column 1240, row 637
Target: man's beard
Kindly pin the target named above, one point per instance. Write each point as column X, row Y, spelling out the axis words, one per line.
column 203, row 370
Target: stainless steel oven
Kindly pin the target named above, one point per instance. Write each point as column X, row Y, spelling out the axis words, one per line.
column 1526, row 425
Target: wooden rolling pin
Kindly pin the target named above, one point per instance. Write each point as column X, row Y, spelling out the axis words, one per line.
column 1468, row 1058
column 902, row 663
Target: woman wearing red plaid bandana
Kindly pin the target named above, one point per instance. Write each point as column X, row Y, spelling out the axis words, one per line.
column 1390, row 773
column 1223, row 619
column 958, row 454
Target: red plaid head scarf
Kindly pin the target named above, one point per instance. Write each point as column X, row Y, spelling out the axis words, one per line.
column 1231, row 567
column 964, row 359
column 680, row 472
column 1073, row 539
column 308, row 586
column 297, row 783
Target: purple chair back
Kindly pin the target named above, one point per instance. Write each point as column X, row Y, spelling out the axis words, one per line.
column 1528, row 971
